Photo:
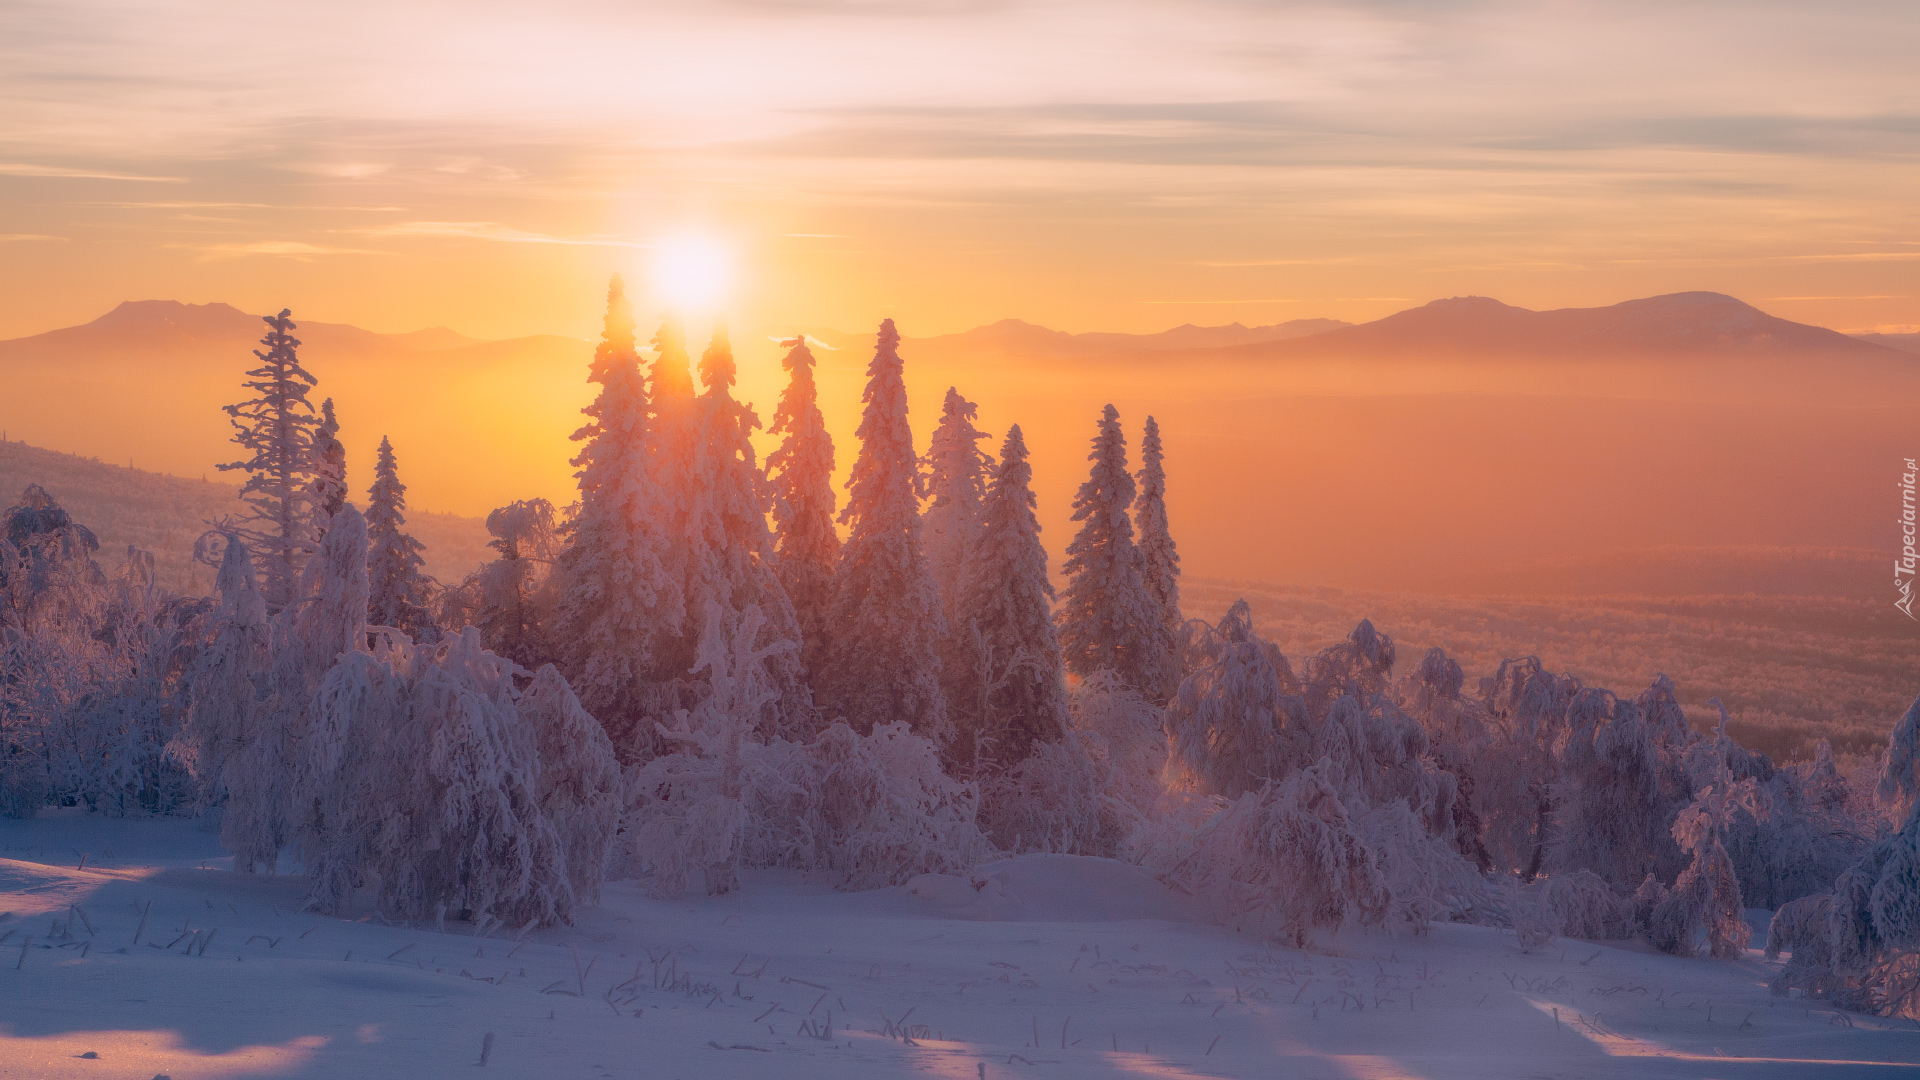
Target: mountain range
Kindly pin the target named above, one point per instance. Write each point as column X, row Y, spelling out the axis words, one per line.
column 1449, row 443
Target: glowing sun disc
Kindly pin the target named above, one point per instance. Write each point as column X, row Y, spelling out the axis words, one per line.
column 690, row 271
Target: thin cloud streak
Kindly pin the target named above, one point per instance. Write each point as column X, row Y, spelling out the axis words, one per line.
column 62, row 172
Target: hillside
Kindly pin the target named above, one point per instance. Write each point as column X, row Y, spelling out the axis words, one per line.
column 165, row 514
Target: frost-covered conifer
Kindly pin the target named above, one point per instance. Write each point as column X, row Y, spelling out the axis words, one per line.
column 802, row 472
column 329, row 469
column 1108, row 621
column 276, row 430
column 616, row 596
column 881, row 662
column 511, row 599
column 1159, row 559
column 1002, row 623
column 956, row 479
column 726, row 549
column 397, row 592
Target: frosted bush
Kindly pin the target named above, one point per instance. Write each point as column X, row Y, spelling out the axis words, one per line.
column 427, row 778
column 1282, row 861
column 581, row 789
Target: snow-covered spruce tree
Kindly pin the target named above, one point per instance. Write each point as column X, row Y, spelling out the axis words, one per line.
column 881, row 664
column 802, row 472
column 1159, row 559
column 670, row 394
column 329, row 470
column 511, row 599
column 397, row 592
column 616, row 597
column 726, row 549
column 956, row 483
column 581, row 788
column 1108, row 621
column 1001, row 626
column 276, row 430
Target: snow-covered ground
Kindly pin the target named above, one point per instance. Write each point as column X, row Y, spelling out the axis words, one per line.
column 1056, row 967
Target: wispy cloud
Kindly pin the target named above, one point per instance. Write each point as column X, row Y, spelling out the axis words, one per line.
column 15, row 238
column 293, row 249
column 62, row 172
column 487, row 230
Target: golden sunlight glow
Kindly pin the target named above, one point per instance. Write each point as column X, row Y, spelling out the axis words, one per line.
column 691, row 272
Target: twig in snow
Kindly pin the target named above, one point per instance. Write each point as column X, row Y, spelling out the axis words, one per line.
column 1211, row 1045
column 84, row 921
column 25, row 944
column 143, row 922
column 486, row 1048
column 395, row 953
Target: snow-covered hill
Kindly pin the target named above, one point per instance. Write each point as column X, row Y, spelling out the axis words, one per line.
column 154, row 959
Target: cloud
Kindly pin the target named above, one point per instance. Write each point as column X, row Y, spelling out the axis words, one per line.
column 294, row 249
column 62, row 172
column 487, row 230
column 15, row 238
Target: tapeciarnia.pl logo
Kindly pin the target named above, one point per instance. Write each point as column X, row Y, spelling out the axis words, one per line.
column 1903, row 564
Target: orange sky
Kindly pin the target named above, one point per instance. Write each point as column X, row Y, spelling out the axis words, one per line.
column 1114, row 165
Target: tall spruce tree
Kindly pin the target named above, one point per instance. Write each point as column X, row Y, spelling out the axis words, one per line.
column 616, row 598
column 1108, row 621
column 1159, row 559
column 670, row 397
column 1004, row 622
column 728, row 549
column 276, row 430
column 329, row 470
column 956, row 483
column 881, row 661
column 802, row 470
column 397, row 592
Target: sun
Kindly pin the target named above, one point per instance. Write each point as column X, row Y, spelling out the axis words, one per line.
column 690, row 271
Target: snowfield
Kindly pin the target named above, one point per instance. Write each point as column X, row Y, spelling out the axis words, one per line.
column 1039, row 966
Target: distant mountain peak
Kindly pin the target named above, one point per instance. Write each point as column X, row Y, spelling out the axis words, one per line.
column 170, row 313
